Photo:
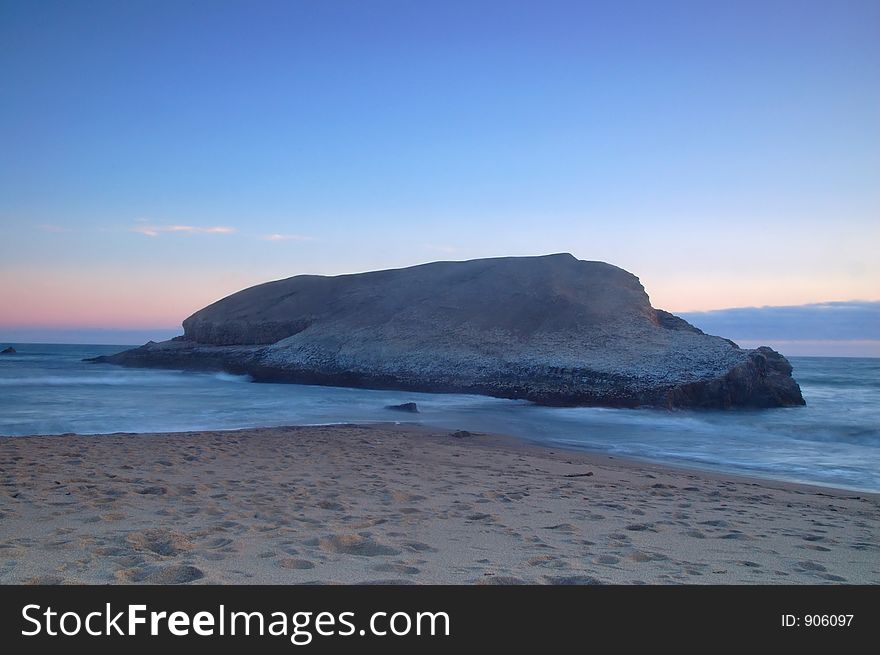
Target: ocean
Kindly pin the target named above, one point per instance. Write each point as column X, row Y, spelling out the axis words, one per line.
column 833, row 441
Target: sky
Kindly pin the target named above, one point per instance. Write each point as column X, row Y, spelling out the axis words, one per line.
column 831, row 329
column 157, row 156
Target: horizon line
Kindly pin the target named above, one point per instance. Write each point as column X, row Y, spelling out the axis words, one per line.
column 179, row 326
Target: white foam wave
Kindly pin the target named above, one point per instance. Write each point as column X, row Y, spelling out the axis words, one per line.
column 79, row 380
column 229, row 377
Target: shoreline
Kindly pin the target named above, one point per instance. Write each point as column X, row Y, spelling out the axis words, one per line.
column 628, row 461
column 505, row 440
column 404, row 503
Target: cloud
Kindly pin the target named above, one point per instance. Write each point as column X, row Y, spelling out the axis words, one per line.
column 145, row 227
column 850, row 321
column 155, row 230
column 286, row 237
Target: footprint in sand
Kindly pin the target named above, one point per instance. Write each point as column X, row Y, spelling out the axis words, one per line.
column 45, row 580
column 295, row 563
column 499, row 580
column 717, row 523
column 159, row 541
column 544, row 560
column 606, row 559
column 112, row 551
column 641, row 556
column 397, row 568
column 129, row 561
column 113, row 516
column 392, row 582
column 809, row 565
column 571, row 580
column 153, row 491
column 354, row 544
column 173, row 574
column 405, row 497
column 480, row 516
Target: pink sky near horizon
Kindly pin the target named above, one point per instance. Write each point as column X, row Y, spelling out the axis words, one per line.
column 97, row 300
column 140, row 298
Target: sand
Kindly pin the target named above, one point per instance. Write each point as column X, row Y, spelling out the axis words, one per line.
column 404, row 504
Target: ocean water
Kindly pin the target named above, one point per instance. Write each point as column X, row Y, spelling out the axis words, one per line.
column 833, row 441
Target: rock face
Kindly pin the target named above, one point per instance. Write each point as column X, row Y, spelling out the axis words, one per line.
column 553, row 330
column 8, row 351
column 412, row 408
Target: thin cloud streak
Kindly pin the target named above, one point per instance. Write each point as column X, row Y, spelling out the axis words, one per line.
column 287, row 237
column 156, row 230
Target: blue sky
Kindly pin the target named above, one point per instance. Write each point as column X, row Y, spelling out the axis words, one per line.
column 159, row 155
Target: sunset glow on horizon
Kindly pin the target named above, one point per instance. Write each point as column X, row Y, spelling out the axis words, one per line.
column 149, row 299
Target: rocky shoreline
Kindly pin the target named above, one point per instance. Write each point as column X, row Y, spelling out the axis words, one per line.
column 762, row 380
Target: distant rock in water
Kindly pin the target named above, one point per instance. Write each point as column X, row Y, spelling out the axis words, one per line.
column 8, row 351
column 554, row 330
column 404, row 407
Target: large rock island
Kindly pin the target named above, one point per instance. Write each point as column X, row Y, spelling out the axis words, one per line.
column 554, row 330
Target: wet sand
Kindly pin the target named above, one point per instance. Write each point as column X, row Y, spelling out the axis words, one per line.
column 402, row 504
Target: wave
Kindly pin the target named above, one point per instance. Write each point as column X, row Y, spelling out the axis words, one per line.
column 229, row 377
column 116, row 379
column 84, row 380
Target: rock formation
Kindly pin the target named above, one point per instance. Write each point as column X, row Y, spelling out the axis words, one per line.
column 412, row 408
column 554, row 330
column 8, row 351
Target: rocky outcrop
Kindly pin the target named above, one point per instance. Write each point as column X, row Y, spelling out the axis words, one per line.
column 8, row 351
column 553, row 330
column 412, row 408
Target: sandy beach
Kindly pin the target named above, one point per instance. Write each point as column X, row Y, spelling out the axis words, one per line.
column 403, row 504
